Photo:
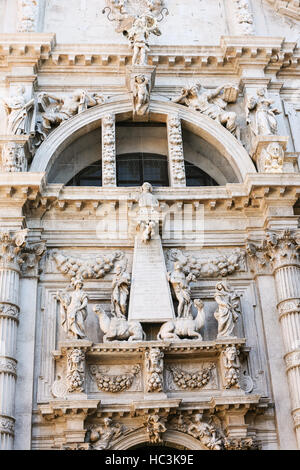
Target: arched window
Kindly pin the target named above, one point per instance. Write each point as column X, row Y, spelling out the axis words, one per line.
column 90, row 176
column 135, row 169
column 197, row 177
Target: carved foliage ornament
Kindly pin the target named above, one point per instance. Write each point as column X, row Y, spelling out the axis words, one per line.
column 114, row 383
column 222, row 265
column 75, row 370
column 244, row 17
column 154, row 367
column 96, row 268
column 13, row 158
column 176, row 151
column 191, row 380
column 276, row 249
column 109, row 150
column 231, row 365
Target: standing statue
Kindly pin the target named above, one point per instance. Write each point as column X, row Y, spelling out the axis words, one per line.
column 139, row 34
column 141, row 95
column 148, row 216
column 120, row 285
column 181, row 286
column 212, row 103
column 74, row 310
column 56, row 110
column 19, row 114
column 102, row 436
column 228, row 310
column 264, row 121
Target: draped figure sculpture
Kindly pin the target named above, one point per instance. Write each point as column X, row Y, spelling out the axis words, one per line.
column 181, row 286
column 120, row 285
column 73, row 310
column 228, row 310
column 261, row 115
column 19, row 114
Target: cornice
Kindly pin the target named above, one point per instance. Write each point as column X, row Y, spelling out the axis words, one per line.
column 290, row 8
column 271, row 54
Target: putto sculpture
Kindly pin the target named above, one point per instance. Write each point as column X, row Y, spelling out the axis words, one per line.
column 261, row 115
column 212, row 103
column 141, row 95
column 73, row 310
column 228, row 310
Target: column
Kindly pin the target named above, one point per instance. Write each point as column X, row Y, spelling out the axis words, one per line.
column 10, row 251
column 109, row 177
column 176, row 157
column 283, row 251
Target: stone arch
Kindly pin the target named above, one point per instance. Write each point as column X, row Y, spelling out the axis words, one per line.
column 171, row 438
column 201, row 125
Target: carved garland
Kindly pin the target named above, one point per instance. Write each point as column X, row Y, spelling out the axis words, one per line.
column 114, row 383
column 192, row 380
column 86, row 269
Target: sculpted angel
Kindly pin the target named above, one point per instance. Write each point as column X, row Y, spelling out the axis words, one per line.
column 19, row 113
column 74, row 310
column 139, row 34
column 211, row 103
column 261, row 115
column 120, row 284
column 228, row 310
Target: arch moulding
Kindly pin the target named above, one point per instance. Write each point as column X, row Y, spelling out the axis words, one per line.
column 171, row 438
column 211, row 131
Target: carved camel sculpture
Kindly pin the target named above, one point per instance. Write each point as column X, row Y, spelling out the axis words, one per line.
column 118, row 329
column 184, row 328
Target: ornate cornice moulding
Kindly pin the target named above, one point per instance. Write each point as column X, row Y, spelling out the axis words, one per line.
column 290, row 8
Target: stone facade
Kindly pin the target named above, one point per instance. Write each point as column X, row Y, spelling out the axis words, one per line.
column 137, row 314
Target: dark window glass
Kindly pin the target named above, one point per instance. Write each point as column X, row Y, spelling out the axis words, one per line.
column 135, row 169
column 197, row 177
column 90, row 176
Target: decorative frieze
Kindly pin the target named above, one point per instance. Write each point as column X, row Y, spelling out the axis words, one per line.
column 221, row 265
column 191, row 380
column 176, row 157
column 109, row 176
column 96, row 268
column 114, row 383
